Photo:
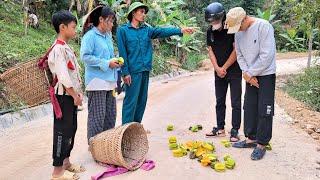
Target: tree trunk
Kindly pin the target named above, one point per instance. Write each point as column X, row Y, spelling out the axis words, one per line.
column 310, row 48
column 71, row 5
column 90, row 5
column 25, row 16
column 79, row 6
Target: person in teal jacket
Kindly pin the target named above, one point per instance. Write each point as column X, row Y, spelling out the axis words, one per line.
column 135, row 46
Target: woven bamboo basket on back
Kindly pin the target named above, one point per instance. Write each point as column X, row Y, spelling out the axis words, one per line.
column 124, row 146
column 27, row 82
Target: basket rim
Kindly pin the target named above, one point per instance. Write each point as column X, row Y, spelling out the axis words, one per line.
column 126, row 165
column 16, row 66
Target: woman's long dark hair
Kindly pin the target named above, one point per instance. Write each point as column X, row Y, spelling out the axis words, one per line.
column 104, row 12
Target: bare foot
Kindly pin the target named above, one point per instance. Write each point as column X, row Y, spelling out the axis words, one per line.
column 234, row 139
column 261, row 146
column 250, row 141
column 57, row 171
column 66, row 163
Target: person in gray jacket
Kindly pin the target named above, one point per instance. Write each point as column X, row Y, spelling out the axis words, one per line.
column 256, row 50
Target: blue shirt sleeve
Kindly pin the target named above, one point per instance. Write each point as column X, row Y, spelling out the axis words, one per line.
column 87, row 54
column 123, row 51
column 157, row 32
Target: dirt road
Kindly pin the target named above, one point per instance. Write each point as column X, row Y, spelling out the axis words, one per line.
column 25, row 151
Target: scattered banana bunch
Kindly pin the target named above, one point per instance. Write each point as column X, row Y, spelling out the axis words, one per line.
column 172, row 139
column 229, row 162
column 208, row 159
column 173, row 146
column 226, row 143
column 170, row 127
column 180, row 152
column 203, row 152
column 195, row 128
column 219, row 167
column 177, row 150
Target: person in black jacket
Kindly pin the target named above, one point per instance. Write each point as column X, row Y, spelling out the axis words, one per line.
column 227, row 71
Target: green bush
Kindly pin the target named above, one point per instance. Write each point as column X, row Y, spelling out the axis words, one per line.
column 161, row 54
column 306, row 87
column 193, row 60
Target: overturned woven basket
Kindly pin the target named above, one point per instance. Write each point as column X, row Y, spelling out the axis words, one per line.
column 27, row 82
column 125, row 146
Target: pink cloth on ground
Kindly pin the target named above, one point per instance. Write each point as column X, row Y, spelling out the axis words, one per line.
column 114, row 171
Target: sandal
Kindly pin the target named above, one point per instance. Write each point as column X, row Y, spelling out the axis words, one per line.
column 67, row 175
column 148, row 165
column 76, row 168
column 234, row 137
column 258, row 153
column 244, row 144
column 216, row 133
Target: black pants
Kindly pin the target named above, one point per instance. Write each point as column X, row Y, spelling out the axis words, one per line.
column 64, row 130
column 221, row 88
column 259, row 109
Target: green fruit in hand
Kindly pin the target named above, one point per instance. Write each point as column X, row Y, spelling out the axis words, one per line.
column 170, row 127
column 120, row 61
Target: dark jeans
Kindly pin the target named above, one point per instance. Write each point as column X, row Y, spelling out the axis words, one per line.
column 221, row 88
column 64, row 130
column 259, row 109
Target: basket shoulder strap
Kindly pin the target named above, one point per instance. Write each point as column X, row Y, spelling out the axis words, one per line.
column 57, row 42
column 42, row 61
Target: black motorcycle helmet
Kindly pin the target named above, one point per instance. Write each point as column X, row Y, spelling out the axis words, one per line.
column 215, row 12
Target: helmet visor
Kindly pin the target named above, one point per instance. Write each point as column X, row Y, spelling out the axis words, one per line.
column 215, row 17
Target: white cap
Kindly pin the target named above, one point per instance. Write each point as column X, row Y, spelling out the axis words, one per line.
column 234, row 19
